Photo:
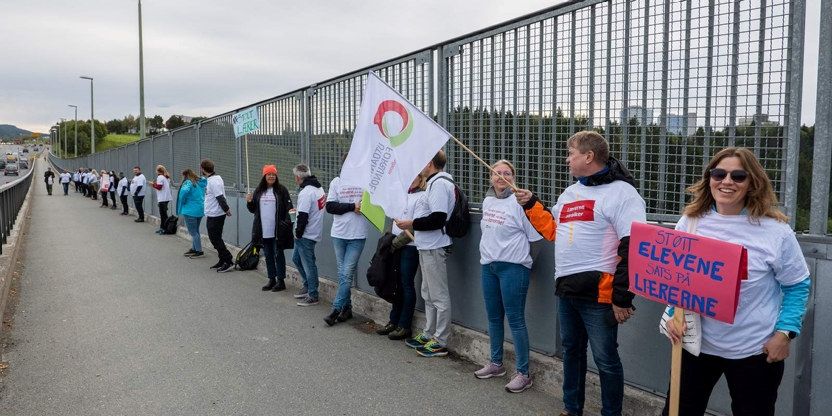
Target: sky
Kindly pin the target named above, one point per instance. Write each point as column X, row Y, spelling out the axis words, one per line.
column 203, row 58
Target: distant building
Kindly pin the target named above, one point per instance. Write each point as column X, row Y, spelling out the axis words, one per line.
column 757, row 119
column 675, row 124
column 643, row 116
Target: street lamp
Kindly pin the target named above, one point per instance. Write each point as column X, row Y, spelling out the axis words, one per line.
column 63, row 126
column 76, row 128
column 141, row 78
column 92, row 117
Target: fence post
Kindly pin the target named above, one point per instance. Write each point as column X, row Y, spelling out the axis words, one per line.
column 823, row 127
column 793, row 104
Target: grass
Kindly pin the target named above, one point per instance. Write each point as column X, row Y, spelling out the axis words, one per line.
column 115, row 140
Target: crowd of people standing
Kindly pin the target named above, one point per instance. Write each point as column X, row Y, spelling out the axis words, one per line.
column 590, row 225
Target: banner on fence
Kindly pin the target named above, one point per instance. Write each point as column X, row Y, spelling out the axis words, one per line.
column 693, row 272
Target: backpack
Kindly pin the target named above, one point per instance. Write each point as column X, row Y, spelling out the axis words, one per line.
column 248, row 257
column 170, row 224
column 459, row 220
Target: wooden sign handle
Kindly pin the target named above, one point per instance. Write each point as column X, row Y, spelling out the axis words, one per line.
column 676, row 365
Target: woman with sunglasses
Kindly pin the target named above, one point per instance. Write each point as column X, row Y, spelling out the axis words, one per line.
column 272, row 228
column 506, row 264
column 734, row 201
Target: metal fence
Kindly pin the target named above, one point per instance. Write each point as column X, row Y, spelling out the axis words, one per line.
column 668, row 83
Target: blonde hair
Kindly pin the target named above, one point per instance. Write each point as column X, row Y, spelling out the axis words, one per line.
column 160, row 169
column 760, row 201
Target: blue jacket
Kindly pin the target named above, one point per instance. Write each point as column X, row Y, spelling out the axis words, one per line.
column 191, row 198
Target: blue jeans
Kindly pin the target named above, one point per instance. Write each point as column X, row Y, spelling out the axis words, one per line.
column 504, row 288
column 402, row 312
column 304, row 259
column 583, row 321
column 275, row 260
column 192, row 223
column 347, row 253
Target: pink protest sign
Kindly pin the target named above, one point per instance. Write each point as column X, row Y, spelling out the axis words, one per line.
column 693, row 272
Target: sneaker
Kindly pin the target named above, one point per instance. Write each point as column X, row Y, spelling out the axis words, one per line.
column 307, row 301
column 189, row 253
column 303, row 294
column 197, row 254
column 386, row 329
column 432, row 349
column 225, row 268
column 399, row 334
column 519, row 383
column 218, row 265
column 138, row 220
column 279, row 287
column 332, row 318
column 345, row 314
column 490, row 370
column 418, row 341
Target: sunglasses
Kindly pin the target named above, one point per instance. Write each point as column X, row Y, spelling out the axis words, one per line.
column 738, row 176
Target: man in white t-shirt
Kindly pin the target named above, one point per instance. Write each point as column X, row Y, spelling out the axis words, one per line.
column 308, row 229
column 65, row 179
column 592, row 220
column 349, row 233
column 163, row 196
column 430, row 215
column 216, row 210
column 138, row 184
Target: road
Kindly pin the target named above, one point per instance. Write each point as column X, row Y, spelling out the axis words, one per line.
column 13, row 148
column 112, row 320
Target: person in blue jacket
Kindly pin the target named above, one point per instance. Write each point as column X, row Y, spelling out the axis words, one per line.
column 190, row 207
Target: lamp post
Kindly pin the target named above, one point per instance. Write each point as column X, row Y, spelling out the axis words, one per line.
column 92, row 116
column 76, row 128
column 141, row 78
column 63, row 149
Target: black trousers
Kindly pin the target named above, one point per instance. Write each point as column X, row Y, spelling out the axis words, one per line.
column 125, row 208
column 113, row 198
column 163, row 213
column 138, row 203
column 215, row 226
column 752, row 383
column 104, row 198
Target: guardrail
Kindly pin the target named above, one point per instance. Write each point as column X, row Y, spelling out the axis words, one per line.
column 12, row 196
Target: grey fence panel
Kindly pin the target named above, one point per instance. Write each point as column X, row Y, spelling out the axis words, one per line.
column 217, row 142
column 162, row 154
column 145, row 162
column 184, row 152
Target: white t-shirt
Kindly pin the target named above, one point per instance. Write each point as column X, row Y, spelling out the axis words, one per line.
column 214, row 188
column 268, row 210
column 122, row 184
column 65, row 177
column 506, row 232
column 312, row 201
column 439, row 197
column 163, row 195
column 774, row 258
column 590, row 222
column 349, row 226
column 412, row 199
column 76, row 177
column 105, row 182
column 136, row 182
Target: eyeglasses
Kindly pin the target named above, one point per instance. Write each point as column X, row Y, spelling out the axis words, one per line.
column 738, row 176
column 504, row 173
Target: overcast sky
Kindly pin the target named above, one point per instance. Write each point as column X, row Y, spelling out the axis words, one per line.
column 203, row 58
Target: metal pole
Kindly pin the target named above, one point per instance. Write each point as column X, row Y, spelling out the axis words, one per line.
column 823, row 127
column 92, row 116
column 76, row 129
column 141, row 78
column 63, row 148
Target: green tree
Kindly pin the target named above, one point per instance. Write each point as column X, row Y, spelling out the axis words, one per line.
column 174, row 122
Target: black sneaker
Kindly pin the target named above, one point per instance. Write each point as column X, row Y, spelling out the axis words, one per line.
column 386, row 329
column 272, row 283
column 197, row 255
column 189, row 253
column 280, row 286
column 218, row 265
column 332, row 318
column 400, row 334
column 138, row 220
column 303, row 294
column 345, row 314
column 225, row 268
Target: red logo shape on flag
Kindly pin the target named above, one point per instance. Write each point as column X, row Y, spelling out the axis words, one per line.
column 396, row 138
column 578, row 211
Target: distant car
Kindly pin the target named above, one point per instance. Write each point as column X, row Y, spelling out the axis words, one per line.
column 11, row 169
column 25, row 150
column 24, row 164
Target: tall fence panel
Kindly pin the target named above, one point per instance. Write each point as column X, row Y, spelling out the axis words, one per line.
column 279, row 141
column 185, row 155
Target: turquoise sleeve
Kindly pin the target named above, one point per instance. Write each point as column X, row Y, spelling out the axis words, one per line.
column 793, row 307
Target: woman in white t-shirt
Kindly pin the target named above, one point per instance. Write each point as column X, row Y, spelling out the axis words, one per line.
column 105, row 187
column 506, row 265
column 163, row 195
column 734, row 202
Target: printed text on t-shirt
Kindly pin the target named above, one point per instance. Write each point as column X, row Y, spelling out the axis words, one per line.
column 578, row 211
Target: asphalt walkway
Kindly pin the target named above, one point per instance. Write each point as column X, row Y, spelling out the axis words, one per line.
column 113, row 320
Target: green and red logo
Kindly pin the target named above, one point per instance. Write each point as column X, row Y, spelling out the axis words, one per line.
column 399, row 137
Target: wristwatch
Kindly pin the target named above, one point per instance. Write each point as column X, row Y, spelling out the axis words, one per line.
column 789, row 334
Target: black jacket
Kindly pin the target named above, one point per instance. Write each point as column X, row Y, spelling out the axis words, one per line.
column 384, row 273
column 283, row 223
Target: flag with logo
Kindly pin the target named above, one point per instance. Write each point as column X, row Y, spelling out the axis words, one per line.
column 393, row 141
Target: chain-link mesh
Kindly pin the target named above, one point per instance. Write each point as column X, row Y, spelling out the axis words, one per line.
column 279, row 141
column 217, row 142
column 163, row 156
column 185, row 154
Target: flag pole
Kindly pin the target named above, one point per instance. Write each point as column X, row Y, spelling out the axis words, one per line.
column 676, row 366
column 485, row 164
column 248, row 181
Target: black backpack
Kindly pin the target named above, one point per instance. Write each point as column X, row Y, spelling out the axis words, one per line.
column 459, row 221
column 170, row 224
column 248, row 257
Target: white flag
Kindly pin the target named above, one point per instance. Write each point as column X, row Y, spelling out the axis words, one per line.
column 393, row 141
